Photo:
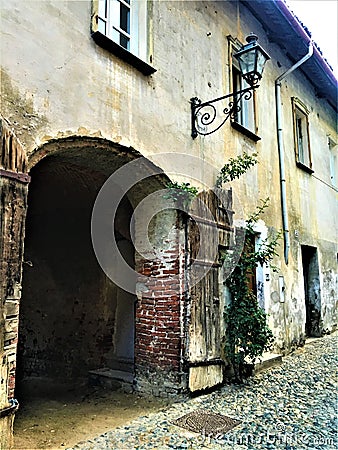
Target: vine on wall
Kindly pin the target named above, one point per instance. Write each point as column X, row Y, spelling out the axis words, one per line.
column 247, row 332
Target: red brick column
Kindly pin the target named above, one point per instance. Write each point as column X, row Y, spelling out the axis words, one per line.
column 159, row 344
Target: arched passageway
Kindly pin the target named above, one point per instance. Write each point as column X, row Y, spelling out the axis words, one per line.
column 73, row 318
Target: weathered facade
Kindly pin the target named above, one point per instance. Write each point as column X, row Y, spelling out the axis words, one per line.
column 76, row 108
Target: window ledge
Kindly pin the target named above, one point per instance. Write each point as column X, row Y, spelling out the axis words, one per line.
column 304, row 167
column 237, row 126
column 106, row 43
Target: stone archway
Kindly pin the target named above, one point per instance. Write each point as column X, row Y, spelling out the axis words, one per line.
column 61, row 337
column 74, row 321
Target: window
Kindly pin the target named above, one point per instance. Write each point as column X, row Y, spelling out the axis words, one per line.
column 120, row 26
column 244, row 120
column 301, row 135
column 333, row 161
column 246, row 115
column 114, row 21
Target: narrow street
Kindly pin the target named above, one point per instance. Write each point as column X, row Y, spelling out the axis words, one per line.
column 291, row 406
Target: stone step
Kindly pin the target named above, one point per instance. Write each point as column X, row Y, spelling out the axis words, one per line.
column 266, row 361
column 311, row 340
column 112, row 379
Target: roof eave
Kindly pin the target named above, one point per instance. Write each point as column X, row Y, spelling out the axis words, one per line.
column 316, row 69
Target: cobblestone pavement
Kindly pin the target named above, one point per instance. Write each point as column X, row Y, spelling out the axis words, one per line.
column 292, row 406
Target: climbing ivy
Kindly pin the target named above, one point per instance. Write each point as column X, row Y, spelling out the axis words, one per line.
column 247, row 332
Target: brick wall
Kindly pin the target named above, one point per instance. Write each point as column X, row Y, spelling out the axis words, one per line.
column 159, row 344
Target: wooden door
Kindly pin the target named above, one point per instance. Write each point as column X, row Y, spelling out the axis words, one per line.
column 205, row 334
column 13, row 205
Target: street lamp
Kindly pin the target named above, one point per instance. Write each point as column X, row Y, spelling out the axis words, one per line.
column 251, row 58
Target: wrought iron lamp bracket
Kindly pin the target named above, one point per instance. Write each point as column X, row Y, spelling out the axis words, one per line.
column 203, row 115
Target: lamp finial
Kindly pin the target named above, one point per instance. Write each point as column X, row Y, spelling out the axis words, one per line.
column 252, row 38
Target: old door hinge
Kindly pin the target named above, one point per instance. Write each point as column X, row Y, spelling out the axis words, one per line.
column 19, row 176
column 11, row 409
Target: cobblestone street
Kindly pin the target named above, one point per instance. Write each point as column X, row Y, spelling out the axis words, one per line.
column 292, row 406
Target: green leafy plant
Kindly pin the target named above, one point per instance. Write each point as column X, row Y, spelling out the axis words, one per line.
column 181, row 193
column 247, row 333
column 236, row 167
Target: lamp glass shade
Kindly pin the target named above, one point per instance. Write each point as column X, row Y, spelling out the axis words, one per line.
column 261, row 60
column 252, row 59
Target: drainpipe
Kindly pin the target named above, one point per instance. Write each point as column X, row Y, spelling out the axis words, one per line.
column 278, row 83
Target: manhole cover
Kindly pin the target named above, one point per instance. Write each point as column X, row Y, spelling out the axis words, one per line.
column 206, row 422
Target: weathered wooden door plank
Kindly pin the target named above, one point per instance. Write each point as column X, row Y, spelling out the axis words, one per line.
column 13, row 205
column 205, row 334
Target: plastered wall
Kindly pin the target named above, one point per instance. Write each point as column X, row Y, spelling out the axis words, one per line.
column 57, row 82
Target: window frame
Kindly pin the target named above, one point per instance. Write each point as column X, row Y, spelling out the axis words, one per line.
column 301, row 133
column 333, row 155
column 138, row 54
column 235, row 45
column 105, row 17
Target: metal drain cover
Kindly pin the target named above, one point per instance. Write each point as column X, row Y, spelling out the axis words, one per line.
column 206, row 422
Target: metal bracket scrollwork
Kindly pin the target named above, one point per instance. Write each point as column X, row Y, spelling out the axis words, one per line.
column 203, row 115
